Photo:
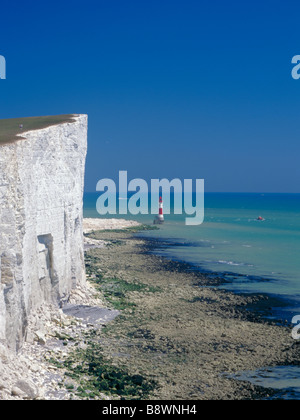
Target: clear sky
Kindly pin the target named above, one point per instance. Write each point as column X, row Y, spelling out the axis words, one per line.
column 188, row 89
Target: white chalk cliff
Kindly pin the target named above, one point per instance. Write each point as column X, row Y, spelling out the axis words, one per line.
column 41, row 239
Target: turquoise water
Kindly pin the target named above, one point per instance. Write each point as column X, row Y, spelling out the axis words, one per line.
column 283, row 379
column 257, row 256
column 254, row 256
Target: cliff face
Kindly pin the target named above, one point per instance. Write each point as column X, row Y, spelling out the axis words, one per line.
column 41, row 240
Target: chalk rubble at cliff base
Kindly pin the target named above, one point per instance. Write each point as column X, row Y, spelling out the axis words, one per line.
column 28, row 375
column 90, row 225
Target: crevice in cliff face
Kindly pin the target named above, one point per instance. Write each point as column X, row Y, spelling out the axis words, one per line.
column 47, row 276
column 6, row 272
column 77, row 224
column 15, row 313
column 65, row 227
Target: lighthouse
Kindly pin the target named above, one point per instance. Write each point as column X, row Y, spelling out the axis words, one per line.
column 160, row 217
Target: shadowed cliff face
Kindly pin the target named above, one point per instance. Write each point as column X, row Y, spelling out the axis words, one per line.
column 41, row 242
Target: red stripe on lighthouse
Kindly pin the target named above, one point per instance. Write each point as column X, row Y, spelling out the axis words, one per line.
column 159, row 218
column 160, row 206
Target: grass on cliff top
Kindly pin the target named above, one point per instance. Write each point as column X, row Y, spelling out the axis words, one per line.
column 9, row 128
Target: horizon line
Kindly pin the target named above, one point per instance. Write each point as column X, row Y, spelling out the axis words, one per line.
column 214, row 192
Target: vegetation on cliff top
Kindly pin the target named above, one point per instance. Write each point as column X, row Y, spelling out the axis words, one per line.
column 10, row 129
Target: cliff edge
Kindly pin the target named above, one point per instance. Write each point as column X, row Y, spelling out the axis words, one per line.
column 41, row 238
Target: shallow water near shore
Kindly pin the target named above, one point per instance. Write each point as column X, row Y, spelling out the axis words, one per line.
column 285, row 379
column 250, row 256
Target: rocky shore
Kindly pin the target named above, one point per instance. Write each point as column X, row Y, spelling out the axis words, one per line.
column 144, row 327
column 184, row 333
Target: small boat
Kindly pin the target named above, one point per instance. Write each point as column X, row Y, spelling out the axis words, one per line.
column 260, row 218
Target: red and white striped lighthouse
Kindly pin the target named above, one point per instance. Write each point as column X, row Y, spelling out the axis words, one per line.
column 160, row 217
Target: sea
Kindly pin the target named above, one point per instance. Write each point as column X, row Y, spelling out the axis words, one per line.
column 252, row 240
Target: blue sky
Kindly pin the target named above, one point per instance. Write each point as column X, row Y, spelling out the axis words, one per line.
column 188, row 89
